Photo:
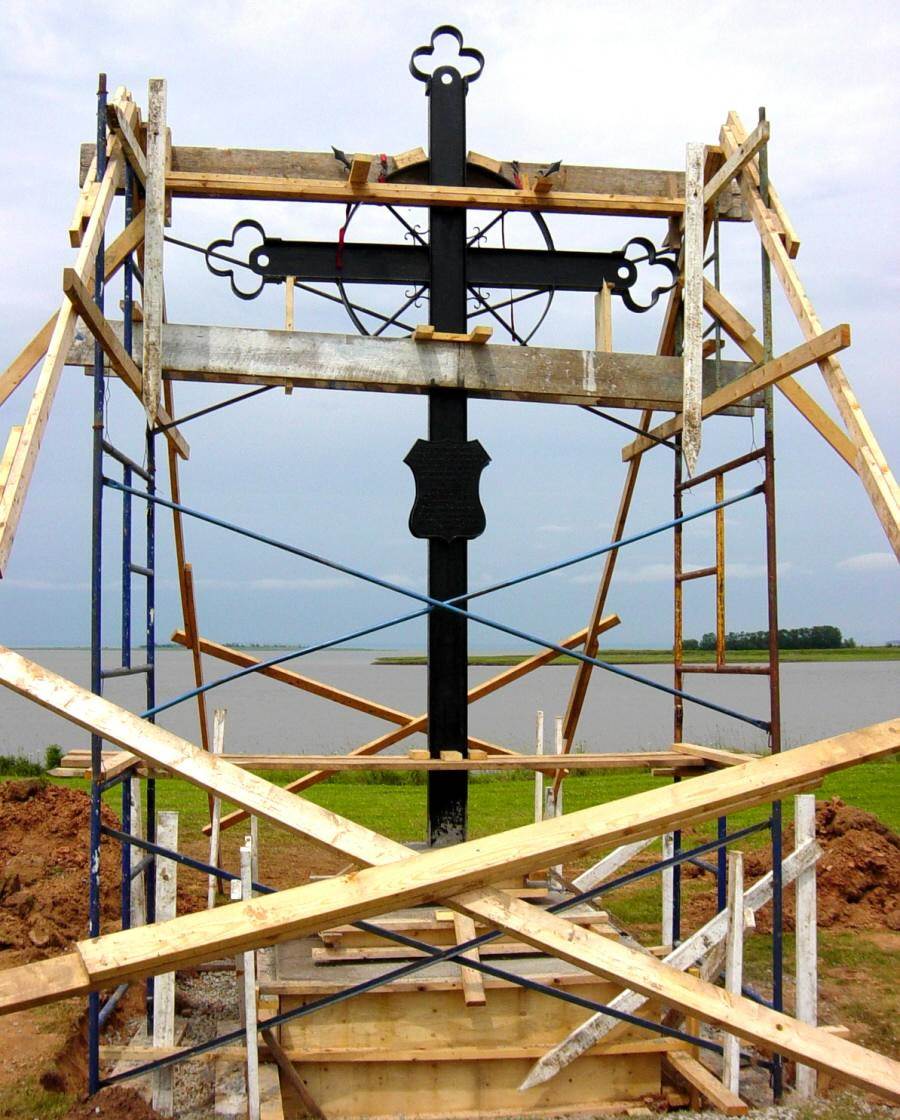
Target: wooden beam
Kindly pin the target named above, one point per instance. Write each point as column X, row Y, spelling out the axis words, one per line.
column 625, row 760
column 871, row 464
column 374, row 746
column 806, row 997
column 186, row 184
column 117, row 118
column 446, row 871
column 478, row 336
column 692, row 294
column 119, row 358
column 9, row 451
column 741, row 331
column 713, row 754
column 286, row 1065
column 734, row 966
column 359, row 169
column 690, row 1070
column 154, row 235
column 733, row 165
column 472, row 982
column 250, row 356
column 806, row 354
column 13, row 497
column 600, row 1028
column 732, row 136
column 277, row 163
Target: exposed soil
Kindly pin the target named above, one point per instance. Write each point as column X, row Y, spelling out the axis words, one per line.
column 114, row 1103
column 857, row 876
column 44, row 841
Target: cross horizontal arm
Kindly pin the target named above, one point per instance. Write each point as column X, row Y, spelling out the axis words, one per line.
column 366, row 263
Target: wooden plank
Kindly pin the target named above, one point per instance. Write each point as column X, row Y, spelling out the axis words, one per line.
column 84, row 205
column 736, row 162
column 360, row 166
column 733, row 135
column 154, row 234
column 610, row 863
column 286, row 1065
column 700, row 944
column 507, row 676
column 690, row 1070
column 271, row 1106
column 12, row 442
column 139, row 883
column 453, row 760
column 806, row 354
column 185, row 184
column 740, row 331
column 538, row 775
column 734, row 967
column 164, row 985
column 714, row 754
column 118, row 356
column 603, row 331
column 806, row 996
column 472, row 982
column 251, row 356
column 12, row 498
column 117, row 118
column 279, row 163
column 871, row 464
column 667, row 893
column 692, row 294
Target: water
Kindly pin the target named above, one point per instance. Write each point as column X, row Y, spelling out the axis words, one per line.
column 265, row 717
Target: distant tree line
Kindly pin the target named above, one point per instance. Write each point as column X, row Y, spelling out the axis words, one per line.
column 805, row 637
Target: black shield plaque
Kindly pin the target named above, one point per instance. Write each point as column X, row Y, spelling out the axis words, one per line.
column 447, row 505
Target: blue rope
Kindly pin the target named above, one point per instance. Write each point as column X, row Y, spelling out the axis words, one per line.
column 449, row 605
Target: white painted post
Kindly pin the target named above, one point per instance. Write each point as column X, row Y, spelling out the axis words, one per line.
column 164, row 986
column 806, row 940
column 668, row 892
column 218, row 746
column 254, row 848
column 693, row 304
column 538, row 776
column 734, row 966
column 139, row 882
column 250, row 995
column 554, row 802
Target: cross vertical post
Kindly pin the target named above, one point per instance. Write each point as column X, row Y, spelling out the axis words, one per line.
column 447, row 421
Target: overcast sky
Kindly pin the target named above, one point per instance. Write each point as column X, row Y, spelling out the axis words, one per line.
column 595, row 83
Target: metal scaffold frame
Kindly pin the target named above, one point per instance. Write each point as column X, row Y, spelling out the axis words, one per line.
column 138, row 160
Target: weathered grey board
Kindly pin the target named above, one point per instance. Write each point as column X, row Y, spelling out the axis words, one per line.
column 244, row 356
column 323, row 165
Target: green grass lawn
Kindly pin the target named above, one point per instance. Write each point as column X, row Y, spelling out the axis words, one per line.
column 664, row 656
column 398, row 810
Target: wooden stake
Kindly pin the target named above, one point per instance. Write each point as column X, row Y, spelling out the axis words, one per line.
column 668, row 892
column 289, row 302
column 693, row 304
column 734, row 967
column 154, row 233
column 250, row 995
column 139, row 882
column 603, row 336
column 164, row 986
column 539, row 774
column 806, row 998
column 215, row 855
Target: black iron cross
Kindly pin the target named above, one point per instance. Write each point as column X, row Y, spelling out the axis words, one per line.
column 447, row 465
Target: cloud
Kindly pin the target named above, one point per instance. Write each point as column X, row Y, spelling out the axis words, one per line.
column 271, row 583
column 869, row 562
column 554, row 528
column 47, row 584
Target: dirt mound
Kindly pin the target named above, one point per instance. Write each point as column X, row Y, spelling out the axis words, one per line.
column 44, row 844
column 858, row 873
column 113, row 1104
